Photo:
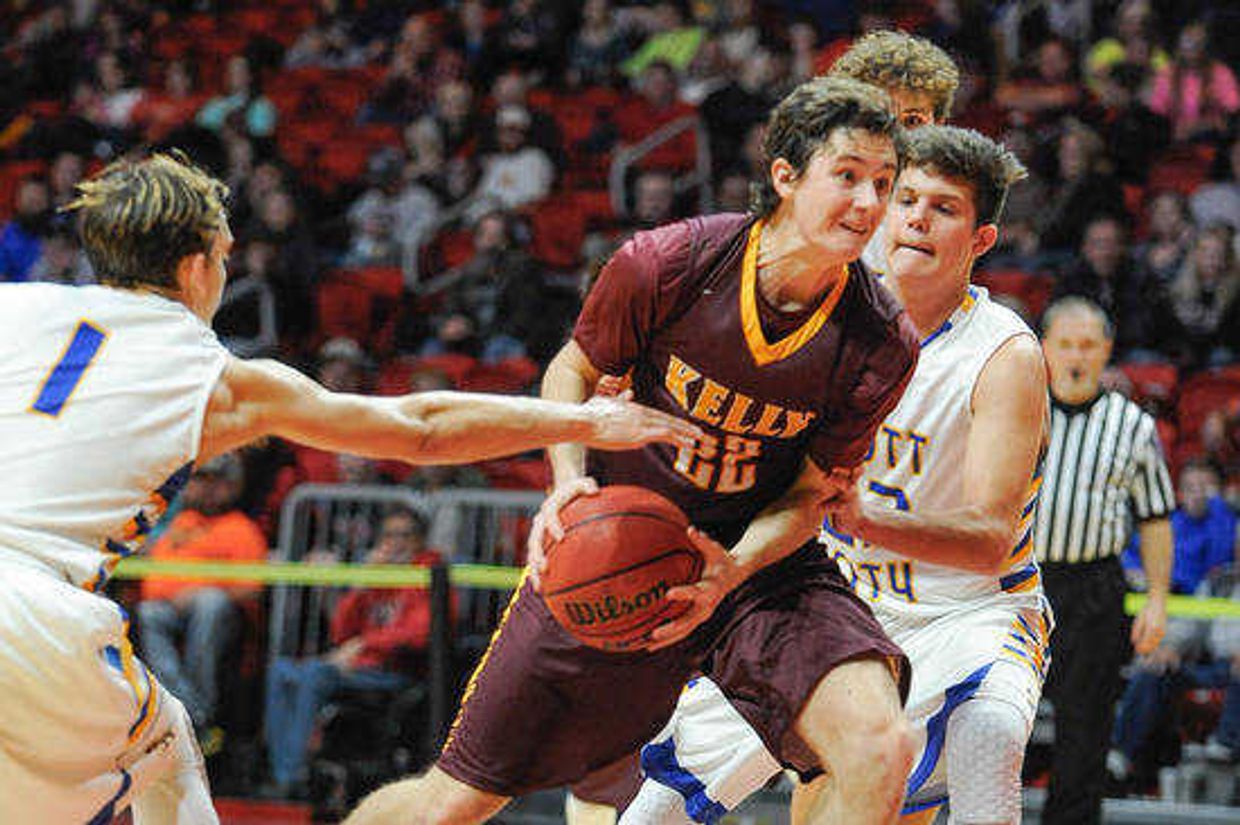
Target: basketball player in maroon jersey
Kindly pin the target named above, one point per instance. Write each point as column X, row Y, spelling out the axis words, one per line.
column 765, row 331
column 921, row 80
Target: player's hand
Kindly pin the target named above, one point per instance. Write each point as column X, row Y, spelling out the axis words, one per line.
column 1150, row 626
column 614, row 386
column 547, row 526
column 845, row 508
column 1162, row 659
column 342, row 656
column 620, row 424
column 387, row 806
column 720, row 575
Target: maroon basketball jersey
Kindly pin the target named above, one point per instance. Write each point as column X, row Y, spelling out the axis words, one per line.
column 680, row 307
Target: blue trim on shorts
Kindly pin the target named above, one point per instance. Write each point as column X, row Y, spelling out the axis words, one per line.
column 113, row 657
column 924, row 805
column 108, row 812
column 1019, row 577
column 659, row 763
column 936, row 727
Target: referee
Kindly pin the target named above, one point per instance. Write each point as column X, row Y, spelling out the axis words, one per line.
column 1104, row 474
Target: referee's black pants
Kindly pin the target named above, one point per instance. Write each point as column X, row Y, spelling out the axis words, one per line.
column 1088, row 648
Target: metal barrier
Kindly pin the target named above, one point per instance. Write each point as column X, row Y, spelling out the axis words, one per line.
column 339, row 523
column 625, row 157
column 327, row 522
column 488, row 527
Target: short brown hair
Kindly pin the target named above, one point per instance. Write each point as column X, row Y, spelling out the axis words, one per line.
column 805, row 120
column 968, row 157
column 893, row 60
column 140, row 218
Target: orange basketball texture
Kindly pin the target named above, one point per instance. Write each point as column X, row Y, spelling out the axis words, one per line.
column 607, row 580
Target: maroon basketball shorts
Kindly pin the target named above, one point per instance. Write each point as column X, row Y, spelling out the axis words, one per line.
column 542, row 710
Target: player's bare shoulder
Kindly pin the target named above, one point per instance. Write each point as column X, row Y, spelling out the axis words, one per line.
column 243, row 399
column 1014, row 377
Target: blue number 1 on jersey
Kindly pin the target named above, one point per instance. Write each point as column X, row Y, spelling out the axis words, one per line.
column 67, row 374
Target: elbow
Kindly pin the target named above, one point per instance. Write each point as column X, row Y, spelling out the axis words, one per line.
column 994, row 550
column 420, row 441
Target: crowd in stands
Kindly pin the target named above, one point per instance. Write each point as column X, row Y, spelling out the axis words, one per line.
column 421, row 190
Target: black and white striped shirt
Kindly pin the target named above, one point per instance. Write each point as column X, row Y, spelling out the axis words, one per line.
column 1104, row 472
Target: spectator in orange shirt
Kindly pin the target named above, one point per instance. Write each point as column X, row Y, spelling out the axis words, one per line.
column 379, row 636
column 200, row 615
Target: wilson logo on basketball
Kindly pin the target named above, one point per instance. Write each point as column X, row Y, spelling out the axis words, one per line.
column 613, row 608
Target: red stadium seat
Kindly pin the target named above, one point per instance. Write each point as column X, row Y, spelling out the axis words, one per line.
column 342, row 96
column 1181, row 170
column 595, row 206
column 384, row 282
column 512, row 375
column 171, row 42
column 1155, row 382
column 305, row 77
column 295, row 19
column 558, row 227
column 637, row 120
column 222, row 45
column 256, row 20
column 1168, row 433
column 454, row 366
column 300, row 141
column 517, row 474
column 199, row 26
column 453, row 248
column 395, row 377
column 1034, row 291
column 1199, row 396
column 11, row 175
column 286, row 99
column 344, row 309
column 375, row 135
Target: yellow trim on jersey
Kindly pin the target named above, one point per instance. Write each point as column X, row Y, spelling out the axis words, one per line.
column 472, row 685
column 764, row 352
column 143, row 688
column 1032, row 644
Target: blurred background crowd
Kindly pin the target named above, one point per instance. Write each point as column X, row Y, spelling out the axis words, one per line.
column 422, row 191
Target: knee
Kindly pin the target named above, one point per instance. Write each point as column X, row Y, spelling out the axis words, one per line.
column 880, row 751
column 213, row 605
column 433, row 798
column 156, row 615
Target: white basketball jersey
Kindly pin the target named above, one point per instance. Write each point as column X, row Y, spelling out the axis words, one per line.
column 917, row 461
column 102, row 398
column 874, row 256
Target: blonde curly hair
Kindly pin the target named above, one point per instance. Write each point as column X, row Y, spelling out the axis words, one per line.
column 895, row 61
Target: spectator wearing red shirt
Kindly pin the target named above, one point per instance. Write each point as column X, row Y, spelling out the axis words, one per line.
column 378, row 639
column 656, row 105
column 159, row 113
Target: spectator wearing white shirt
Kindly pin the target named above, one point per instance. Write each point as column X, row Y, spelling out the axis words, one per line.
column 518, row 174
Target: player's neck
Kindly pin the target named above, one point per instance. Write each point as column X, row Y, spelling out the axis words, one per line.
column 203, row 312
column 929, row 302
column 793, row 275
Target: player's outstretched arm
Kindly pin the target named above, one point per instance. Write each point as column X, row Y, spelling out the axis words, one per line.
column 254, row 399
column 1006, row 436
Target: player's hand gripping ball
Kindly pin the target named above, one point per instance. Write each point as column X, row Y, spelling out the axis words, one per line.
column 606, row 581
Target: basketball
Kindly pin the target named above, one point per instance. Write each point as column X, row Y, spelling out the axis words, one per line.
column 606, row 581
